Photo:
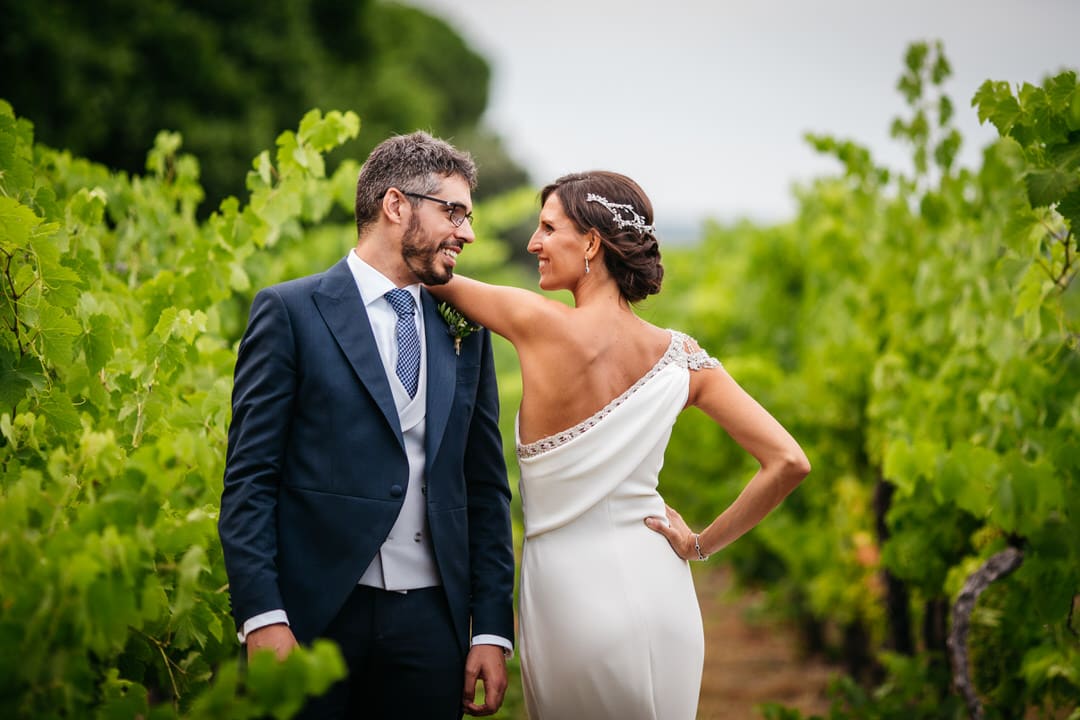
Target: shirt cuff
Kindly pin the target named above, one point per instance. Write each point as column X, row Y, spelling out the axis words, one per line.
column 271, row 617
column 506, row 645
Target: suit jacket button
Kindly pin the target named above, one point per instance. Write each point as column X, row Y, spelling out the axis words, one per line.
column 396, row 491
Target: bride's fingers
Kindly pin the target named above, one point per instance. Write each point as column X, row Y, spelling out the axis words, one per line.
column 676, row 520
column 674, row 536
column 658, row 525
column 678, row 533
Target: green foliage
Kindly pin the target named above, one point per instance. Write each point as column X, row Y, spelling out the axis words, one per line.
column 921, row 331
column 903, row 698
column 119, row 314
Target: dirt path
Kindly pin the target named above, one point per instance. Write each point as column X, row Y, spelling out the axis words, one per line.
column 746, row 663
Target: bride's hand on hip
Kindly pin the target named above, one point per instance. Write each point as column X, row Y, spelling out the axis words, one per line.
column 678, row 533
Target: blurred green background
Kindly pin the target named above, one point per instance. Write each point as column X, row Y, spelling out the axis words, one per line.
column 917, row 330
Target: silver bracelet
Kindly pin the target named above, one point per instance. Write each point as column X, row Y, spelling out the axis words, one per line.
column 697, row 547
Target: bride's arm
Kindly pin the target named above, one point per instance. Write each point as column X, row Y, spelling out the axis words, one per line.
column 514, row 313
column 783, row 464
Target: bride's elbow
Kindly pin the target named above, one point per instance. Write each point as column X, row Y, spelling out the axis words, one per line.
column 794, row 468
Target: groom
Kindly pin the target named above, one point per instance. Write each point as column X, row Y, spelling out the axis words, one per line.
column 365, row 494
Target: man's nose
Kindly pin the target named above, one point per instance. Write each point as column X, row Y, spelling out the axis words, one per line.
column 465, row 232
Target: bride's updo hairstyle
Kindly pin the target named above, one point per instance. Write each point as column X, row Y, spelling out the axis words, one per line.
column 620, row 211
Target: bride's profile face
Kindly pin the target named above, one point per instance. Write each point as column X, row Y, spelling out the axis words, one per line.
column 559, row 247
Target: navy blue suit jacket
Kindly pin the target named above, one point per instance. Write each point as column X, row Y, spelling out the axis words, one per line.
column 316, row 469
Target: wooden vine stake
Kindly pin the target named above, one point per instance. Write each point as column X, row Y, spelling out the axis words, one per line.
column 997, row 567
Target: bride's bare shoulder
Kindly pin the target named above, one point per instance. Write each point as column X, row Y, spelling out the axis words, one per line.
column 655, row 338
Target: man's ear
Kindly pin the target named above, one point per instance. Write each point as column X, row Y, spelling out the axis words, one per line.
column 393, row 205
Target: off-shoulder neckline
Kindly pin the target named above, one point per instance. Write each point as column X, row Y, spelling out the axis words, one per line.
column 676, row 349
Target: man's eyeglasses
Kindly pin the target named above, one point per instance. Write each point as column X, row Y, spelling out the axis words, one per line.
column 456, row 211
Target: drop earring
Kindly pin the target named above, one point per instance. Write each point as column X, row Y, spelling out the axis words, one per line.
column 586, row 264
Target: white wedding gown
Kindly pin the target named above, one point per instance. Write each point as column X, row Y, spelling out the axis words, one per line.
column 609, row 623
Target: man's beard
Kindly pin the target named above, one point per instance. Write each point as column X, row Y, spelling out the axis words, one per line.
column 422, row 258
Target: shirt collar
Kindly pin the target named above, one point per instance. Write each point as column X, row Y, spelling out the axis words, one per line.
column 372, row 284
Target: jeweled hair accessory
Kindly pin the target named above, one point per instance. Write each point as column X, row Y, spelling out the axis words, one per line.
column 618, row 211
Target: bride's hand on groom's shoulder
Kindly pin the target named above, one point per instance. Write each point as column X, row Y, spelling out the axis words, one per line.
column 677, row 532
column 485, row 664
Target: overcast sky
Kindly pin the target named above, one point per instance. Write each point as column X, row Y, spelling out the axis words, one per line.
column 705, row 103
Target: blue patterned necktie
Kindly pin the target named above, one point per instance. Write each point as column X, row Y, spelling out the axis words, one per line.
column 408, row 363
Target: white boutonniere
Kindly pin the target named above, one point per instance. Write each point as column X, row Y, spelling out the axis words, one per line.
column 457, row 324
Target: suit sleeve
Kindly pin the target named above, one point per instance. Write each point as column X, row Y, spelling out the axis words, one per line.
column 262, row 403
column 491, row 546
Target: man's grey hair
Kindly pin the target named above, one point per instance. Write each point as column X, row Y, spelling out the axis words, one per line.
column 415, row 163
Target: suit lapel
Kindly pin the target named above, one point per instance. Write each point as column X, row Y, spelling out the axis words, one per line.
column 441, row 374
column 343, row 310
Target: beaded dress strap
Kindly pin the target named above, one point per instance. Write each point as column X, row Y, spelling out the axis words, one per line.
column 694, row 357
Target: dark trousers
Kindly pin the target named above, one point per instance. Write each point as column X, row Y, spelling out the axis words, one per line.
column 403, row 658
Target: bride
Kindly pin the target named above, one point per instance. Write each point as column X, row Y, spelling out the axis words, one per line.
column 609, row 622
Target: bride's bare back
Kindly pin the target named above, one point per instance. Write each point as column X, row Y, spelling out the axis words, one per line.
column 581, row 364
